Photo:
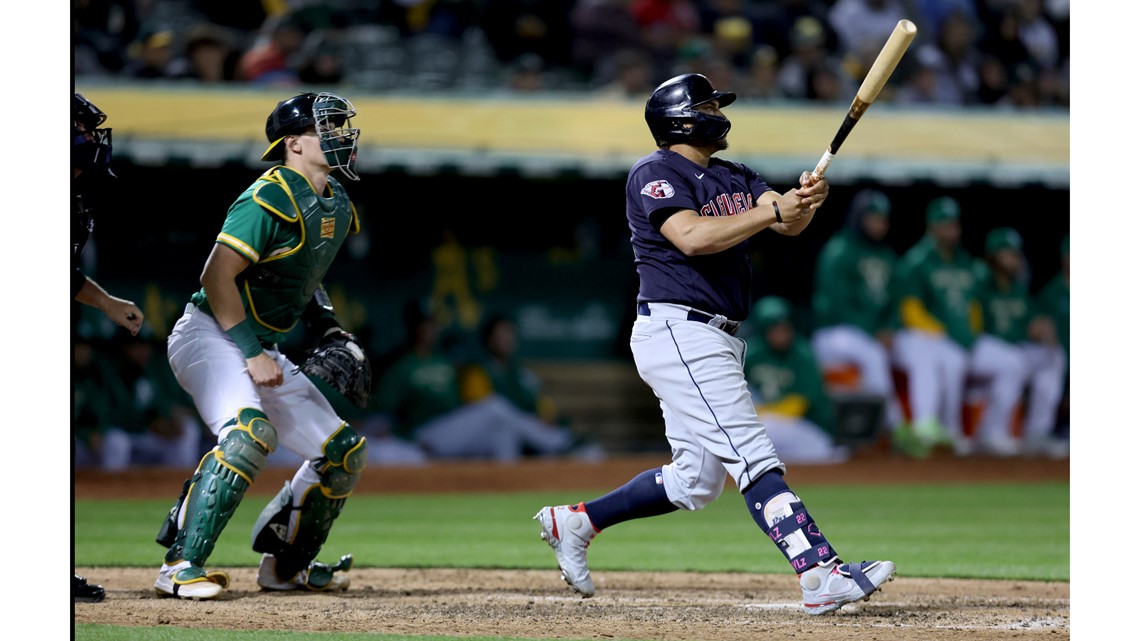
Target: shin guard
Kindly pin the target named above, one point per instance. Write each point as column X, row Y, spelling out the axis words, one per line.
column 293, row 528
column 782, row 516
column 212, row 495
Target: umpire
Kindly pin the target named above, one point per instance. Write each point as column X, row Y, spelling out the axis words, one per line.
column 91, row 174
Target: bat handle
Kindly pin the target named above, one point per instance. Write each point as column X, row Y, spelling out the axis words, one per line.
column 822, row 165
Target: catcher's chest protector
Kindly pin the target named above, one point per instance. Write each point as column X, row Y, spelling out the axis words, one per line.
column 280, row 285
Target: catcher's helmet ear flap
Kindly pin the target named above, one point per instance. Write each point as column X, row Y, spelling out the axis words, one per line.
column 90, row 143
column 671, row 115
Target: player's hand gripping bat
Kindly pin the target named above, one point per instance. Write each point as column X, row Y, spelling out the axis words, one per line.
column 873, row 83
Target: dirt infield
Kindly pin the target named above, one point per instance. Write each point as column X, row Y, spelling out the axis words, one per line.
column 535, row 603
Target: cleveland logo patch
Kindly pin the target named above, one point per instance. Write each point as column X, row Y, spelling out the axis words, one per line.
column 658, row 189
column 328, row 227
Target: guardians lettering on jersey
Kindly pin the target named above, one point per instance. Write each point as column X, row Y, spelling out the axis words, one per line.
column 727, row 205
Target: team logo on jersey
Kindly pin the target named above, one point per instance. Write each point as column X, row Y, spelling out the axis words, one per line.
column 328, row 227
column 658, row 189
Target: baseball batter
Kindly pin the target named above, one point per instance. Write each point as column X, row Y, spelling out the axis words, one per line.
column 262, row 277
column 690, row 217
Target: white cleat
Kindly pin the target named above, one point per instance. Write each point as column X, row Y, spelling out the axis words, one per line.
column 187, row 581
column 829, row 587
column 569, row 531
column 319, row 577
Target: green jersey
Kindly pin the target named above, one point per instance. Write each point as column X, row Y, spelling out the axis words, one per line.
column 1053, row 301
column 291, row 235
column 779, row 375
column 1005, row 310
column 417, row 389
column 852, row 283
column 947, row 289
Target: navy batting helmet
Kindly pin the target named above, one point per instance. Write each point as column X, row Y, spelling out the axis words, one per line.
column 90, row 143
column 672, row 106
column 329, row 114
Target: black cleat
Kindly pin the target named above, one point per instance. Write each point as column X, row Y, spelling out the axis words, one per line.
column 84, row 592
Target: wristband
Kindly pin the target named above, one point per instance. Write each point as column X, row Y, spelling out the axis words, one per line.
column 776, row 207
column 244, row 337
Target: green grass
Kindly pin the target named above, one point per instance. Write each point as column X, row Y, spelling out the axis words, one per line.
column 1006, row 531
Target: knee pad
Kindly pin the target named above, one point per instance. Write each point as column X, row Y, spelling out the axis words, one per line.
column 296, row 541
column 210, row 497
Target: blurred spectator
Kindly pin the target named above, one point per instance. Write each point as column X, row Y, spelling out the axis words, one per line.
column 421, row 394
column 1053, row 301
column 1018, row 348
column 993, row 82
column 788, row 388
column 527, row 74
column 539, row 27
column 761, row 80
column 808, row 50
column 828, row 84
column 242, row 15
column 630, row 73
column 601, row 28
column 947, row 67
column 141, row 414
column 448, row 18
column 775, row 23
column 96, row 392
column 270, row 59
column 211, row 54
column 863, row 26
column 101, row 33
column 935, row 289
column 851, row 300
column 1036, row 33
column 733, row 39
column 152, row 57
column 666, row 26
column 319, row 62
column 933, row 14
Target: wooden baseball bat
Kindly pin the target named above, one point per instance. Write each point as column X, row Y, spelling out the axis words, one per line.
column 873, row 83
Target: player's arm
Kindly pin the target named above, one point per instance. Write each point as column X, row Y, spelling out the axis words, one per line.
column 697, row 235
column 219, row 279
column 123, row 312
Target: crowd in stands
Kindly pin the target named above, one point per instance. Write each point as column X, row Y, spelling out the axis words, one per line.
column 1011, row 54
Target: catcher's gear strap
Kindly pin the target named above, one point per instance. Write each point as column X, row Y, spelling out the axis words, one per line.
column 218, row 486
column 297, row 541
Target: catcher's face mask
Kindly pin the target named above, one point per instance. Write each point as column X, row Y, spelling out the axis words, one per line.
column 333, row 116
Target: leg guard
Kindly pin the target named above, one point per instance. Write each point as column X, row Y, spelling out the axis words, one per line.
column 782, row 516
column 293, row 528
column 210, row 497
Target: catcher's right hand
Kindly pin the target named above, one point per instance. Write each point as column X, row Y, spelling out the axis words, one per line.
column 340, row 361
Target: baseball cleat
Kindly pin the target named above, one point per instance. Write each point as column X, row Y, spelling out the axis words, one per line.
column 568, row 531
column 319, row 577
column 187, row 581
column 84, row 592
column 828, row 587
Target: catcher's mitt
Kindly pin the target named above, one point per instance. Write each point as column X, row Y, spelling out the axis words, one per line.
column 340, row 361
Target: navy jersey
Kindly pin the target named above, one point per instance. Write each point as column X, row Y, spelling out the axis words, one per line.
column 659, row 185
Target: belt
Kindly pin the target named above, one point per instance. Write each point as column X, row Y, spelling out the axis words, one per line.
column 718, row 321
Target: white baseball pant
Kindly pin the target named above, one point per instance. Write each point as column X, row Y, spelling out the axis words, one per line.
column 843, row 344
column 697, row 373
